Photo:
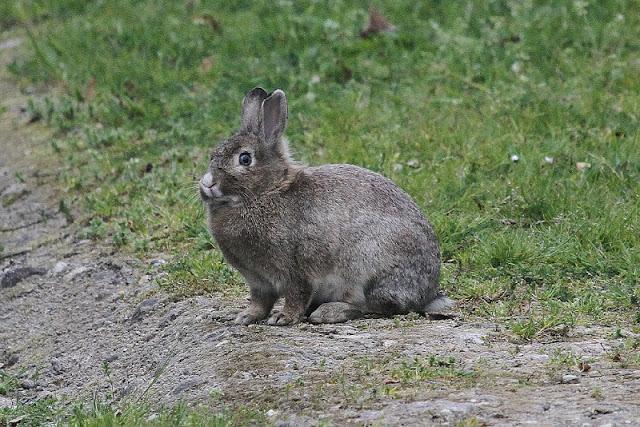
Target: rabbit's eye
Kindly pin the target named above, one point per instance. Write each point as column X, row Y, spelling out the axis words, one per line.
column 244, row 159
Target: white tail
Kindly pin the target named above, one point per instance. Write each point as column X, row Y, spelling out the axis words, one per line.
column 439, row 305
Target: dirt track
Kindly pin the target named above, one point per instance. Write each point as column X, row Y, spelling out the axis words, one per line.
column 70, row 307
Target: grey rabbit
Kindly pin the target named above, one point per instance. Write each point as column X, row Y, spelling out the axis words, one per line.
column 336, row 241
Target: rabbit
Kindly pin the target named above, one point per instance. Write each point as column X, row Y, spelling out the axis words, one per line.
column 336, row 241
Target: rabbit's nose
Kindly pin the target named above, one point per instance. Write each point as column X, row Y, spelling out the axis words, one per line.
column 207, row 180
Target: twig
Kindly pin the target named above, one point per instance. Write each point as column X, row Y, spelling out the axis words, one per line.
column 12, row 254
column 19, row 227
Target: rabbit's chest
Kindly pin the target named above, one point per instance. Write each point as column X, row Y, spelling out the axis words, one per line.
column 259, row 251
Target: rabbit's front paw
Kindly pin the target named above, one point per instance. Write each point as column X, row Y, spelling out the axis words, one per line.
column 280, row 318
column 248, row 316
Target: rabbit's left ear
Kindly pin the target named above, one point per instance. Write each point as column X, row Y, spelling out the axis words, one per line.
column 274, row 116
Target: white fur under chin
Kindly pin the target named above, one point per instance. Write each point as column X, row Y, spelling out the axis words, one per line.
column 439, row 305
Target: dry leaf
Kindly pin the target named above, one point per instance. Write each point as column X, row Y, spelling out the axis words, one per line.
column 584, row 367
column 206, row 19
column 207, row 64
column 16, row 420
column 90, row 92
column 582, row 166
column 515, row 38
column 377, row 24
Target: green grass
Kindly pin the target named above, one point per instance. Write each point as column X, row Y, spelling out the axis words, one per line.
column 47, row 411
column 418, row 370
column 140, row 415
column 104, row 413
column 440, row 107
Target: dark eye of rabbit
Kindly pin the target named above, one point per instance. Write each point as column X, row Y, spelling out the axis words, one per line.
column 244, row 159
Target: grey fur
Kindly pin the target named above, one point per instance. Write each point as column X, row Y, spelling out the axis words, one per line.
column 316, row 235
column 251, row 105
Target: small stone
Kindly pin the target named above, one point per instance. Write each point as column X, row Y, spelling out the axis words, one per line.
column 5, row 402
column 186, row 385
column 271, row 413
column 515, row 158
column 413, row 163
column 11, row 360
column 516, row 67
column 11, row 43
column 143, row 308
column 582, row 166
column 75, row 272
column 548, row 160
column 56, row 366
column 155, row 263
column 13, row 277
column 59, row 267
column 28, row 384
column 570, row 379
column 111, row 358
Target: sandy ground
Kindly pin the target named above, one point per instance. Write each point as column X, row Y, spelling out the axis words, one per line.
column 70, row 307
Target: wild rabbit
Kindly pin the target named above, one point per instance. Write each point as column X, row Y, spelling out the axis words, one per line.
column 336, row 241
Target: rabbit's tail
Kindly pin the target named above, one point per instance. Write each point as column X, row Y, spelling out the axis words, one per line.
column 440, row 304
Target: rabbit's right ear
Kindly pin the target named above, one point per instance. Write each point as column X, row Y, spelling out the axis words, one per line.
column 251, row 110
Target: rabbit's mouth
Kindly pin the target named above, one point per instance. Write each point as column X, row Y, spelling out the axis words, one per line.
column 209, row 189
column 210, row 193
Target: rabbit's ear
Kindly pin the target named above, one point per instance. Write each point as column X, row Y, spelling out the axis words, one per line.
column 274, row 116
column 251, row 108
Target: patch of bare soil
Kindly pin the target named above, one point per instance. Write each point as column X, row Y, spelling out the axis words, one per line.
column 71, row 307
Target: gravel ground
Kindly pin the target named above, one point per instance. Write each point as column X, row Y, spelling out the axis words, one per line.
column 70, row 307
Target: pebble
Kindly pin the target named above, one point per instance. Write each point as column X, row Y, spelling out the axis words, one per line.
column 11, row 43
column 582, row 166
column 143, row 308
column 413, row 163
column 155, row 263
column 5, row 402
column 186, row 385
column 59, row 267
column 13, row 277
column 27, row 384
column 56, row 366
column 11, row 360
column 570, row 379
column 76, row 272
column 111, row 358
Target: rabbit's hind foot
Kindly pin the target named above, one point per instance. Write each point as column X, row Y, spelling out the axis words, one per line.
column 335, row 312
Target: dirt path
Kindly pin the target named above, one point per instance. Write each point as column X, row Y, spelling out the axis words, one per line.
column 70, row 307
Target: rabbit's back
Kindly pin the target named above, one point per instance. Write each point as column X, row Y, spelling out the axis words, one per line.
column 355, row 225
